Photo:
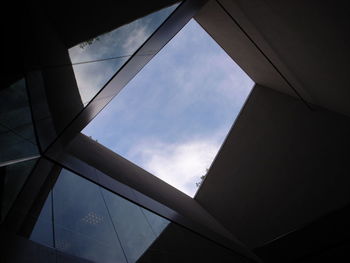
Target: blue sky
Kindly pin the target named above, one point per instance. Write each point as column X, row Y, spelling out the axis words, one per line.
column 173, row 116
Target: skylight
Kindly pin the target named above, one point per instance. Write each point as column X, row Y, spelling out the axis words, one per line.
column 173, row 117
column 95, row 61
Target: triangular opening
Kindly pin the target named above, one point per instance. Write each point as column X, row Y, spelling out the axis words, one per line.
column 173, row 117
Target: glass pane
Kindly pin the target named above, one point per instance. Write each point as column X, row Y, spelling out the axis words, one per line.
column 93, row 223
column 12, row 178
column 173, row 116
column 136, row 232
column 17, row 139
column 82, row 225
column 43, row 231
column 157, row 223
column 108, row 52
column 91, row 77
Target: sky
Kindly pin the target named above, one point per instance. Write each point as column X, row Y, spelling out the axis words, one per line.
column 120, row 44
column 173, row 116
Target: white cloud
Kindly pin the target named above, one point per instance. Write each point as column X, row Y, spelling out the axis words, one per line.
column 180, row 165
column 138, row 35
column 88, row 85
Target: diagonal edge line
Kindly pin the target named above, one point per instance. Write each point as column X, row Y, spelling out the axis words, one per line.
column 115, row 75
column 265, row 56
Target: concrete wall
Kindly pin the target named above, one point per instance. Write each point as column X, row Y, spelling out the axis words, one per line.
column 20, row 250
column 281, row 166
column 303, row 42
column 176, row 244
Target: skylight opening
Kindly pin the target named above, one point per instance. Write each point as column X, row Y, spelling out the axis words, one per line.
column 173, row 116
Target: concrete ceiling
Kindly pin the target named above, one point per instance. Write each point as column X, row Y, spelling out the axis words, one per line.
column 73, row 21
column 282, row 165
column 305, row 42
column 84, row 20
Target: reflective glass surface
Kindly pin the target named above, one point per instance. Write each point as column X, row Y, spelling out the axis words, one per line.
column 93, row 223
column 43, row 230
column 107, row 53
column 135, row 232
column 12, row 179
column 82, row 225
column 17, row 139
column 173, row 116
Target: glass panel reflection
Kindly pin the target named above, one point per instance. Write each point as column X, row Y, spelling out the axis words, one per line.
column 43, row 231
column 109, row 52
column 133, row 227
column 17, row 139
column 81, row 222
column 93, row 223
column 157, row 223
